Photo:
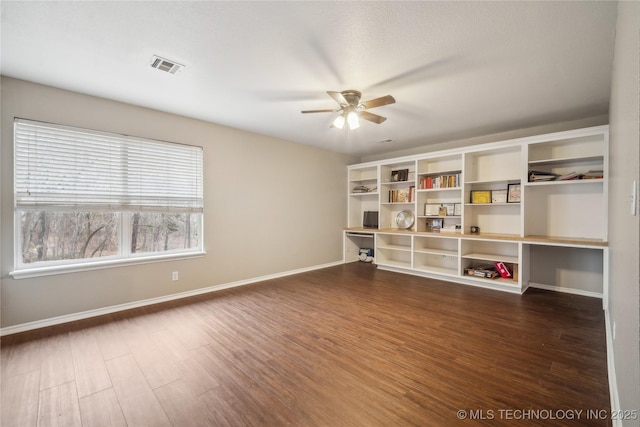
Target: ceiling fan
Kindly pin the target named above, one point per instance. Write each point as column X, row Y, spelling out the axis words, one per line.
column 351, row 109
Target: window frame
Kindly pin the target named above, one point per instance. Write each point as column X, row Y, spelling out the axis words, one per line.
column 124, row 229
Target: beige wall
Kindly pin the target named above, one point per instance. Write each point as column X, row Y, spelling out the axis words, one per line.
column 271, row 206
column 624, row 229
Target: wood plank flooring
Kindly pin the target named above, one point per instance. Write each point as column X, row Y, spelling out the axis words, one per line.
column 343, row 346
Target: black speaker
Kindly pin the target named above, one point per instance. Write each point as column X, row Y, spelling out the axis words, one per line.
column 370, row 219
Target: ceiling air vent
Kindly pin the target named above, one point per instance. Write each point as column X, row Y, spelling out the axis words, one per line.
column 163, row 64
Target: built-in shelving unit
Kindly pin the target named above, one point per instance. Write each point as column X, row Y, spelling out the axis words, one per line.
column 443, row 189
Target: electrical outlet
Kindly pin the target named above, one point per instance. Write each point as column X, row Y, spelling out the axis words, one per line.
column 174, row 276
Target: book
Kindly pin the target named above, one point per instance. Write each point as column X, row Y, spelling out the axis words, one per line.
column 502, row 269
column 568, row 176
column 594, row 174
column 535, row 176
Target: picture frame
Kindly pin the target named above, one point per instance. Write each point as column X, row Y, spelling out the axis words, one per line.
column 400, row 175
column 481, row 196
column 432, row 209
column 449, row 209
column 457, row 209
column 514, row 193
column 499, row 196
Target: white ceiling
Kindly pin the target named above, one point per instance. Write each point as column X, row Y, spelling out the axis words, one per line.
column 456, row 69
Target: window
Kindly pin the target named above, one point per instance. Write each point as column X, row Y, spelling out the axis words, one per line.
column 84, row 196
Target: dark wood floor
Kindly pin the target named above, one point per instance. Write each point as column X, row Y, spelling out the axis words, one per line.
column 343, row 346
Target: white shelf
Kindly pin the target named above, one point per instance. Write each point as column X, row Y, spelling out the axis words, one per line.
column 498, row 280
column 395, row 247
column 436, row 252
column 566, row 182
column 566, row 160
column 428, row 190
column 442, row 172
column 439, row 270
column 394, row 263
column 397, row 203
column 371, row 193
column 400, row 183
column 492, row 204
column 494, row 181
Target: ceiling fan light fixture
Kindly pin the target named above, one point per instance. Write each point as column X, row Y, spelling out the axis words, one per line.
column 339, row 122
column 352, row 119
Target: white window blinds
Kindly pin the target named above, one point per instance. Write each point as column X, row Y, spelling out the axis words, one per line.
column 60, row 168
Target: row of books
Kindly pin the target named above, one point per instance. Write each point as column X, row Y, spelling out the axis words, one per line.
column 407, row 195
column 537, row 176
column 442, row 181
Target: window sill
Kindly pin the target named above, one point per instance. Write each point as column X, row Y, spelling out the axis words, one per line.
column 98, row 265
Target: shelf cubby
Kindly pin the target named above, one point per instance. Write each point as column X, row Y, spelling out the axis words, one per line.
column 393, row 250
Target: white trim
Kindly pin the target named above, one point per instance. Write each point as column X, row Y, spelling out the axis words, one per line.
column 135, row 304
column 611, row 371
column 565, row 290
column 98, row 265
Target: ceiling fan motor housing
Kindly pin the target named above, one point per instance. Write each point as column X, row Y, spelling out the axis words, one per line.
column 352, row 97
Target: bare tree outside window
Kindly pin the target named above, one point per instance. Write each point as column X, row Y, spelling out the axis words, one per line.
column 161, row 232
column 54, row 236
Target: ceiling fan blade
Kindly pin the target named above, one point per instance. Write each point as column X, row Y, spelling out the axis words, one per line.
column 317, row 111
column 338, row 97
column 378, row 102
column 372, row 117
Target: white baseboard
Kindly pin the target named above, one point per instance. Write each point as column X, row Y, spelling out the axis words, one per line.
column 611, row 370
column 135, row 304
column 566, row 290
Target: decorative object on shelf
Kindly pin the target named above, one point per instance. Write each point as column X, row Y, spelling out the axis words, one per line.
column 537, row 176
column 405, row 219
column 451, row 228
column 400, row 175
column 370, row 219
column 502, row 269
column 481, row 196
column 434, row 224
column 513, row 193
column 366, row 255
column 432, row 209
column 499, row 196
column 449, row 209
column 363, row 189
column 457, row 209
column 475, row 229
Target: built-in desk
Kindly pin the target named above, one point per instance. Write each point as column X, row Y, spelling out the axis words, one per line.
column 555, row 263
